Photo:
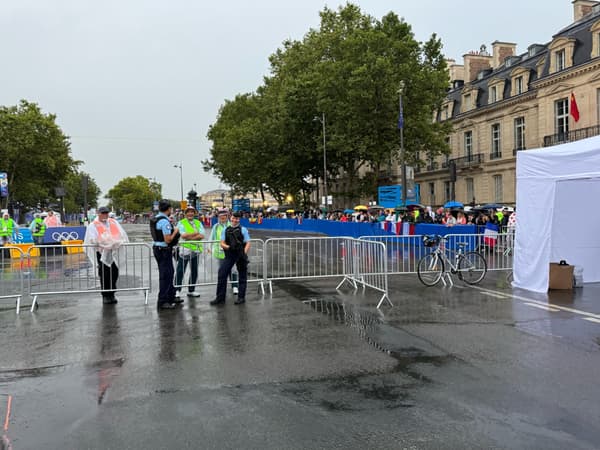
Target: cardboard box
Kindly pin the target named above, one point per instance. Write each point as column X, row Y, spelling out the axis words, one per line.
column 561, row 276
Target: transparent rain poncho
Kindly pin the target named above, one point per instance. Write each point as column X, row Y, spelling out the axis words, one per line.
column 107, row 238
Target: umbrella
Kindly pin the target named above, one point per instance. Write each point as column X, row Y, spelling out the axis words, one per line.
column 290, row 211
column 414, row 206
column 376, row 207
column 348, row 211
column 453, row 204
column 491, row 206
column 361, row 208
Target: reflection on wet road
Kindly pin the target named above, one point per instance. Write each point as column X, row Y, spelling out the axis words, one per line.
column 308, row 367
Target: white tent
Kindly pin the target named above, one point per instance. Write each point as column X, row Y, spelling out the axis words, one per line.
column 558, row 215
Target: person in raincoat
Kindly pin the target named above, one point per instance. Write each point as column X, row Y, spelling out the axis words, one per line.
column 105, row 237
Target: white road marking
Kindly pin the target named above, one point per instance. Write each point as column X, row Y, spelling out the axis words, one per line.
column 495, row 295
column 591, row 319
column 545, row 308
column 528, row 300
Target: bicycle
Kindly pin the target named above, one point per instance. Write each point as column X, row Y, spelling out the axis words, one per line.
column 470, row 267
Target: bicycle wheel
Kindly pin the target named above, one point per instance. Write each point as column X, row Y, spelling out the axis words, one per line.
column 430, row 269
column 472, row 267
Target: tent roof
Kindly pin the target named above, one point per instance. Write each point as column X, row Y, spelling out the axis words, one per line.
column 577, row 159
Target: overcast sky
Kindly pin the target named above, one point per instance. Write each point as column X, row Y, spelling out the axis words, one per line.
column 136, row 83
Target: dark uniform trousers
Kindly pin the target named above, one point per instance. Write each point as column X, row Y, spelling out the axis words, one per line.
column 108, row 277
column 240, row 260
column 166, row 271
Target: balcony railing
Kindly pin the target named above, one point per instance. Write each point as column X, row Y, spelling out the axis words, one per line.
column 431, row 167
column 495, row 155
column 468, row 161
column 571, row 136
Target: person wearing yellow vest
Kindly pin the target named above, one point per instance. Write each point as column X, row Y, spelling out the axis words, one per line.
column 38, row 228
column 7, row 227
column 104, row 238
column 215, row 236
column 191, row 231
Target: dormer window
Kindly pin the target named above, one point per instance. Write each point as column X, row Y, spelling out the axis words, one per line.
column 560, row 60
column 467, row 102
column 562, row 50
column 493, row 94
column 595, row 31
column 518, row 85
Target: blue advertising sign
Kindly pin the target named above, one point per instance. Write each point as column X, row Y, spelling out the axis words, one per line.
column 22, row 236
column 3, row 184
column 55, row 235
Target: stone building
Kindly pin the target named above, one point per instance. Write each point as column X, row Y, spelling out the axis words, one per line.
column 501, row 103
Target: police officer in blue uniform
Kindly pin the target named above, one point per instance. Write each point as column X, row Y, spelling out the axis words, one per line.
column 165, row 237
column 235, row 241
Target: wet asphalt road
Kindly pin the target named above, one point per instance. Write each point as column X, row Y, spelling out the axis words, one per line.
column 308, row 367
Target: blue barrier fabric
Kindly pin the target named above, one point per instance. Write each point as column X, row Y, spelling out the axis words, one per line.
column 23, row 236
column 351, row 229
column 57, row 234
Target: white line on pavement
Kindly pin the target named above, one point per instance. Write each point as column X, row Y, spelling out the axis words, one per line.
column 525, row 299
column 493, row 294
column 546, row 308
column 591, row 319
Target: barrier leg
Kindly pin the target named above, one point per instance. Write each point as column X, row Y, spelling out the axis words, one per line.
column 384, row 297
column 146, row 297
column 18, row 304
column 34, row 303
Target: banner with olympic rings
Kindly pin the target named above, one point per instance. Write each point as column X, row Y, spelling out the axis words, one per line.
column 55, row 235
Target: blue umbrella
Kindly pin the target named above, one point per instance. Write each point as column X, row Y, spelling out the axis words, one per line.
column 491, row 206
column 453, row 204
column 348, row 211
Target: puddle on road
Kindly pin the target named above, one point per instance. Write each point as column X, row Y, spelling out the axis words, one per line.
column 369, row 326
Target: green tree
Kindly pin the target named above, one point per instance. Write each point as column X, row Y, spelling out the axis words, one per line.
column 350, row 69
column 74, row 192
column 34, row 152
column 134, row 194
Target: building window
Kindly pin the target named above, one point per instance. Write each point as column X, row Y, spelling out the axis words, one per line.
column 498, row 188
column 519, row 133
column 561, row 114
column 518, row 85
column 469, row 144
column 493, row 94
column 467, row 100
column 447, row 191
column 470, row 189
column 445, row 112
column 432, row 193
column 496, row 153
column 560, row 60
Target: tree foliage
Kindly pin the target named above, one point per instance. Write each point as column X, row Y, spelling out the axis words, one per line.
column 34, row 152
column 134, row 194
column 350, row 70
column 74, row 191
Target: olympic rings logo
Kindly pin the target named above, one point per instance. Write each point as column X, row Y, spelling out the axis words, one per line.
column 64, row 236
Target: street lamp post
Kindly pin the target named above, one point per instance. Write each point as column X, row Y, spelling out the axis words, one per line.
column 180, row 167
column 402, row 159
column 322, row 120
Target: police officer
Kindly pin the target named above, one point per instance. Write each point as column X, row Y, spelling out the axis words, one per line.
column 235, row 241
column 165, row 237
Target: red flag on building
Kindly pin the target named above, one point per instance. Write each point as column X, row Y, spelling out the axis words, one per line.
column 573, row 109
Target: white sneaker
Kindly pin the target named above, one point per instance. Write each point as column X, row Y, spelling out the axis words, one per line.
column 177, row 294
column 194, row 294
column 235, row 291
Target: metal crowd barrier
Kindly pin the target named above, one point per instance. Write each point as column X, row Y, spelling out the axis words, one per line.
column 11, row 274
column 404, row 251
column 355, row 261
column 208, row 265
column 72, row 269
